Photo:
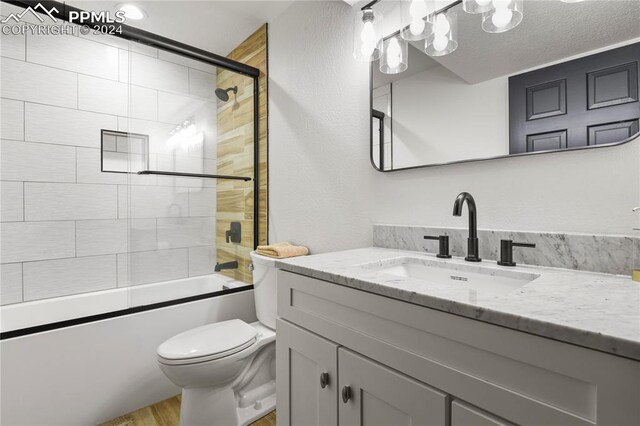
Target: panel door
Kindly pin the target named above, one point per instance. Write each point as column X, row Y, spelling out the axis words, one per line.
column 586, row 101
column 372, row 394
column 463, row 414
column 306, row 377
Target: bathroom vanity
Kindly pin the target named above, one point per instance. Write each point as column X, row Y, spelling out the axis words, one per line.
column 381, row 336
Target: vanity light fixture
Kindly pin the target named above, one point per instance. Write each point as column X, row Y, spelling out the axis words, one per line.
column 414, row 24
column 395, row 55
column 442, row 38
column 367, row 34
column 477, row 6
column 132, row 11
column 506, row 15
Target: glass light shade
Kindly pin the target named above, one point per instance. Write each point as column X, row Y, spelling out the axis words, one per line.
column 395, row 55
column 506, row 15
column 443, row 35
column 477, row 6
column 414, row 16
column 367, row 35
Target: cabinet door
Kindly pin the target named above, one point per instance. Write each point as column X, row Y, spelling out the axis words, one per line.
column 306, row 375
column 371, row 394
column 463, row 414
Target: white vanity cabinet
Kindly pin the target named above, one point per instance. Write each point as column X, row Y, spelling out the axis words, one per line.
column 408, row 364
column 308, row 365
column 330, row 385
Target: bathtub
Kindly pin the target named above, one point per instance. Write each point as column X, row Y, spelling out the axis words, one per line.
column 49, row 311
column 93, row 371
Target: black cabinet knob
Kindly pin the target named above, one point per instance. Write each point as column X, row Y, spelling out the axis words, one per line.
column 506, row 251
column 324, row 380
column 346, row 394
column 443, row 246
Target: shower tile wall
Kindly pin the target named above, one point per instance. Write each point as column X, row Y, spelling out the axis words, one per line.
column 67, row 227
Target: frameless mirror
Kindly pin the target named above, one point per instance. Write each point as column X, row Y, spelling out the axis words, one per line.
column 124, row 152
column 565, row 78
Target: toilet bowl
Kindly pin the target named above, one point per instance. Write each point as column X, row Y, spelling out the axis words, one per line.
column 227, row 369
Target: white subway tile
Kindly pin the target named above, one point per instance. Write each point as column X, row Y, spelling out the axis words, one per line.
column 88, row 168
column 143, row 49
column 11, row 201
column 184, row 164
column 142, row 234
column 109, row 40
column 156, row 74
column 158, row 132
column 54, row 278
column 25, row 161
column 66, row 126
column 143, row 103
column 152, row 202
column 36, row 83
column 10, row 283
column 60, row 201
column 12, row 119
column 202, row 201
column 152, row 266
column 102, row 95
column 202, row 260
column 202, row 84
column 175, row 109
column 188, row 62
column 27, row 241
column 94, row 237
column 12, row 46
column 186, row 232
column 74, row 54
column 123, row 66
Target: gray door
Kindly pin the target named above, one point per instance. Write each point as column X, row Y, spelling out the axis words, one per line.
column 374, row 395
column 307, row 377
column 588, row 101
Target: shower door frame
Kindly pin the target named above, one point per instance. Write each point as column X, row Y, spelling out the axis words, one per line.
column 137, row 35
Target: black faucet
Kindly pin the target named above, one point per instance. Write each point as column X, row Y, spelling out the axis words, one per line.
column 472, row 241
column 227, row 265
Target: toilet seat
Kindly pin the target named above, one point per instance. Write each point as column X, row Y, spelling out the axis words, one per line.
column 207, row 343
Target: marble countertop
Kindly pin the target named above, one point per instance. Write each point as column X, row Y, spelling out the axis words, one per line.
column 594, row 310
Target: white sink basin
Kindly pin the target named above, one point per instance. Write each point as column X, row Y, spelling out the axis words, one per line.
column 485, row 279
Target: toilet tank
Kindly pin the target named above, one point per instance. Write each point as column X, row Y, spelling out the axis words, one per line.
column 264, row 288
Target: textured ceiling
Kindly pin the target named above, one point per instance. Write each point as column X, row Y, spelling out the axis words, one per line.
column 215, row 26
column 551, row 30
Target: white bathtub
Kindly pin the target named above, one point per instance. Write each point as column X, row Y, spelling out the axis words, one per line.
column 93, row 372
column 48, row 311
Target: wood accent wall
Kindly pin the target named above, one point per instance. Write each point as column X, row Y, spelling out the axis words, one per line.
column 235, row 155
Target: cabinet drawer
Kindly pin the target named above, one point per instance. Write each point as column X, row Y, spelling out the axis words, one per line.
column 463, row 414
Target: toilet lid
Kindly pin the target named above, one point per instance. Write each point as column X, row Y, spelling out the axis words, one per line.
column 221, row 338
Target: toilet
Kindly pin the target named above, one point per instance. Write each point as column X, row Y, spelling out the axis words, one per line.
column 227, row 369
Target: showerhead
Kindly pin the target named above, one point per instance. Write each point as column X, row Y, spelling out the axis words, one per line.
column 223, row 94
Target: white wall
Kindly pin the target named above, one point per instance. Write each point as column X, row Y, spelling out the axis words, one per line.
column 324, row 192
column 439, row 118
column 95, row 372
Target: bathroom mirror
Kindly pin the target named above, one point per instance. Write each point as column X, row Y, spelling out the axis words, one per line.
column 565, row 78
column 124, row 152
